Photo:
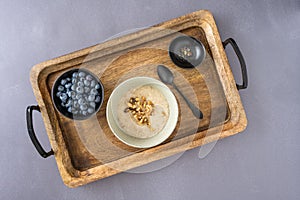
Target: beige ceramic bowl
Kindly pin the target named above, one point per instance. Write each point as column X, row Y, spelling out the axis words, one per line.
column 121, row 90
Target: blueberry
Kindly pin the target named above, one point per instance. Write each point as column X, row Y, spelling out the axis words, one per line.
column 73, row 94
column 81, row 101
column 69, row 94
column 84, row 112
column 94, row 91
column 74, row 111
column 89, row 77
column 93, row 83
column 83, row 107
column 87, row 89
column 58, row 94
column 68, row 79
column 70, row 109
column 68, row 85
column 81, row 74
column 90, row 110
column 63, row 81
column 69, row 103
column 93, row 104
column 73, row 87
column 75, row 104
column 82, row 79
column 75, row 74
column 86, row 82
column 80, row 90
column 97, row 87
column 91, row 97
column 80, row 84
column 74, row 81
column 98, row 99
column 60, row 88
column 63, row 97
column 78, row 96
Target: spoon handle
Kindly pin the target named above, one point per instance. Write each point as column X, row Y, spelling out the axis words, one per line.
column 197, row 113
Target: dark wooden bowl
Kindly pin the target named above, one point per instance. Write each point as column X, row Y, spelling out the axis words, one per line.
column 186, row 52
column 58, row 103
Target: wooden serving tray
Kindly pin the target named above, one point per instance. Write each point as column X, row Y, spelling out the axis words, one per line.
column 87, row 150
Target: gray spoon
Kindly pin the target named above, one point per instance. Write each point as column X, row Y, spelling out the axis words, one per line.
column 167, row 77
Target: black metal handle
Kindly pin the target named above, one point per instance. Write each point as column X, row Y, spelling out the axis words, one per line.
column 31, row 132
column 241, row 60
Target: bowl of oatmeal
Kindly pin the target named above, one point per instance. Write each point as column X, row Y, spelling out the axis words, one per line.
column 142, row 112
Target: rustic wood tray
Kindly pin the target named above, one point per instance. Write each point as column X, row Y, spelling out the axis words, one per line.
column 87, row 150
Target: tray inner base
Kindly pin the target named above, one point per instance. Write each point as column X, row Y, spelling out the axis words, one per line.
column 91, row 143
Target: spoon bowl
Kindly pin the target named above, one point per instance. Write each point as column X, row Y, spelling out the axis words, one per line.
column 167, row 77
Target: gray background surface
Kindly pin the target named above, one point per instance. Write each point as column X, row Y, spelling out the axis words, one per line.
column 263, row 162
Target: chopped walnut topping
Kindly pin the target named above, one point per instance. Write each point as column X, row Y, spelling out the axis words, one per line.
column 140, row 110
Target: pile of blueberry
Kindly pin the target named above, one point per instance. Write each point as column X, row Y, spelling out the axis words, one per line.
column 78, row 94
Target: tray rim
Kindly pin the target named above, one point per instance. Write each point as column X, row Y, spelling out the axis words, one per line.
column 74, row 177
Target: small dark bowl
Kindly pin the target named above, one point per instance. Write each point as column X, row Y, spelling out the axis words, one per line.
column 186, row 52
column 58, row 102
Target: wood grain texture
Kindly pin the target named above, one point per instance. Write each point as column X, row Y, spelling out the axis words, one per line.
column 87, row 150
